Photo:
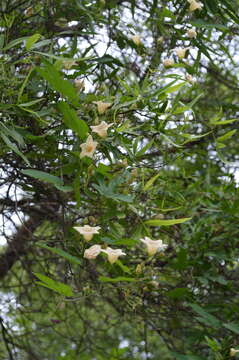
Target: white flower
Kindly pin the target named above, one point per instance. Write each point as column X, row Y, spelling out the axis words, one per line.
column 79, row 84
column 113, row 254
column 29, row 11
column 168, row 62
column 195, row 5
column 181, row 52
column 88, row 148
column 92, row 252
column 192, row 33
column 87, row 231
column 102, row 106
column 190, row 79
column 101, row 129
column 233, row 352
column 160, row 40
column 153, row 245
column 68, row 64
column 136, row 39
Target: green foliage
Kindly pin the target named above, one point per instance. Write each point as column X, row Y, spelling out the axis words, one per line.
column 163, row 164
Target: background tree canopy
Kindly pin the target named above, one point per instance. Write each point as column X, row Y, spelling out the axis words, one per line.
column 122, row 116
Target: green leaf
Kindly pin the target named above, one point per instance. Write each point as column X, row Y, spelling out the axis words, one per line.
column 160, row 222
column 60, row 252
column 226, row 136
column 64, row 87
column 14, row 148
column 223, row 122
column 150, row 182
column 72, row 120
column 144, row 149
column 30, row 103
column 174, row 88
column 41, row 175
column 203, row 24
column 178, row 293
column 233, row 327
column 117, row 279
column 207, row 318
column 64, row 188
column 41, row 43
column 32, row 40
column 15, row 42
column 56, row 286
column 181, row 109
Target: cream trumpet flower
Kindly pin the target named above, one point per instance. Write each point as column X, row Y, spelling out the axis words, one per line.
column 233, row 352
column 168, row 62
column 113, row 254
column 153, row 245
column 68, row 64
column 87, row 231
column 102, row 106
column 191, row 33
column 101, row 129
column 29, row 11
column 189, row 78
column 92, row 252
column 88, row 148
column 181, row 52
column 79, row 84
column 195, row 5
column 136, row 39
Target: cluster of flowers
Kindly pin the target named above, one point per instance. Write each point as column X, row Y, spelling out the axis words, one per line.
column 113, row 254
column 180, row 51
column 192, row 34
column 88, row 148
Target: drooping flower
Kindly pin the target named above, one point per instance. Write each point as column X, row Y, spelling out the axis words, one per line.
column 87, row 231
column 168, row 62
column 192, row 33
column 195, row 5
column 189, row 78
column 79, row 84
column 160, row 40
column 113, row 254
column 101, row 129
column 69, row 63
column 233, row 352
column 181, row 52
column 92, row 252
column 88, row 148
column 153, row 246
column 136, row 39
column 29, row 11
column 102, row 106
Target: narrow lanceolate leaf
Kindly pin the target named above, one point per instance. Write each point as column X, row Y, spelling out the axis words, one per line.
column 14, row 147
column 72, row 120
column 226, row 136
column 14, row 43
column 150, row 182
column 56, row 81
column 32, row 40
column 56, row 286
column 60, row 252
column 41, row 175
column 159, row 222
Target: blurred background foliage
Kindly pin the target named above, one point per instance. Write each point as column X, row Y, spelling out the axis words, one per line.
column 171, row 153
